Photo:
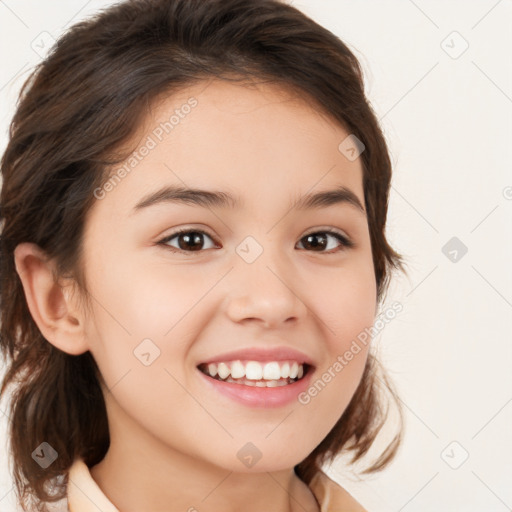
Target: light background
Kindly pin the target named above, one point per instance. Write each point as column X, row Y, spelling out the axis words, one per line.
column 447, row 116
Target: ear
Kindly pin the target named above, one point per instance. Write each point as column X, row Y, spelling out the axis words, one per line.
column 51, row 305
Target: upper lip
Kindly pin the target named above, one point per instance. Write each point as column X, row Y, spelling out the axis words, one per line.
column 262, row 355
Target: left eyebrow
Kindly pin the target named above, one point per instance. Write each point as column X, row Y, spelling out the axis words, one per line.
column 220, row 199
column 328, row 198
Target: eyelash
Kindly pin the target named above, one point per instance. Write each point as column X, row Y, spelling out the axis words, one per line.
column 344, row 241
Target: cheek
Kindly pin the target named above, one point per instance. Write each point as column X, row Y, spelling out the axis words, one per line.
column 141, row 365
column 146, row 300
column 142, row 326
column 347, row 311
column 346, row 303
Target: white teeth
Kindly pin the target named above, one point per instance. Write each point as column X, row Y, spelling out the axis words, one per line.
column 253, row 370
column 224, row 370
column 212, row 369
column 271, row 372
column 260, row 383
column 237, row 370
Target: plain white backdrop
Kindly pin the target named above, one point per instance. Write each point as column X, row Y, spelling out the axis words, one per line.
column 439, row 77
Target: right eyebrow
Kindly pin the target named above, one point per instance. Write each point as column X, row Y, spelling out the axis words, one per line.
column 194, row 196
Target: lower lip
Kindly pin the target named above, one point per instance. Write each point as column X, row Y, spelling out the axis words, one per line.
column 253, row 396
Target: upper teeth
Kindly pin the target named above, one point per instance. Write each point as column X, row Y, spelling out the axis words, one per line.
column 254, row 370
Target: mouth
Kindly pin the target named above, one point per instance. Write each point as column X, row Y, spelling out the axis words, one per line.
column 248, row 373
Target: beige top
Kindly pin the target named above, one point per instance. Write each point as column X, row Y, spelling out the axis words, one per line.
column 84, row 494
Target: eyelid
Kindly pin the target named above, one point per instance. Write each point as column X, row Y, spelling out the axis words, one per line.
column 332, row 231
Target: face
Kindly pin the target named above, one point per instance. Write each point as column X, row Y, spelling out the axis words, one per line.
column 261, row 270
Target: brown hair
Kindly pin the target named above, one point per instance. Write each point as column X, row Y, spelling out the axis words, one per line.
column 74, row 111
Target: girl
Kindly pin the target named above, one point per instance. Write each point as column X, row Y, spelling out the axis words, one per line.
column 193, row 253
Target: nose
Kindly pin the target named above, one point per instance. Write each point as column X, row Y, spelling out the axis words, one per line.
column 262, row 292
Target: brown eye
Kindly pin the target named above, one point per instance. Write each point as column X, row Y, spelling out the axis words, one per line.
column 187, row 240
column 319, row 241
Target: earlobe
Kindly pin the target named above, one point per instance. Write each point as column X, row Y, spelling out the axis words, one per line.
column 51, row 305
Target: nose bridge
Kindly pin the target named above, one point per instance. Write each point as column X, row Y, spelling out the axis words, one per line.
column 260, row 259
column 261, row 284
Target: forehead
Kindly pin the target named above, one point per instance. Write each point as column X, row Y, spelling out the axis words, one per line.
column 262, row 141
column 240, row 96
column 242, row 120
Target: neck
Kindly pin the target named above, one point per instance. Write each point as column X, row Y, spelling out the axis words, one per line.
column 134, row 481
column 155, row 477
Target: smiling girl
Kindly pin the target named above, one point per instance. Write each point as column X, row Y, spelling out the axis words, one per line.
column 193, row 241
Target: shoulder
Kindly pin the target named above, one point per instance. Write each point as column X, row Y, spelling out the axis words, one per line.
column 332, row 497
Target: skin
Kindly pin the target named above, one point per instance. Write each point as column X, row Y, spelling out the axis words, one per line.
column 174, row 442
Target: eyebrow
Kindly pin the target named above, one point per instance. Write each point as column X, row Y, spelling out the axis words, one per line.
column 220, row 199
